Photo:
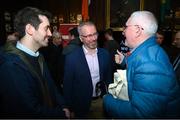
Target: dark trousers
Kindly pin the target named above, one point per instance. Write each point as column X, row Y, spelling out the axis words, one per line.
column 96, row 109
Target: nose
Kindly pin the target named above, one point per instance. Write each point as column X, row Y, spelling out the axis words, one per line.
column 49, row 33
column 94, row 38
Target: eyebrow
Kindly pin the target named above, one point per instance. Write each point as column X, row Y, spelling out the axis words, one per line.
column 48, row 27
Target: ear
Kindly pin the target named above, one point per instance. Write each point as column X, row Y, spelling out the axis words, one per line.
column 29, row 29
column 73, row 36
column 80, row 39
column 138, row 31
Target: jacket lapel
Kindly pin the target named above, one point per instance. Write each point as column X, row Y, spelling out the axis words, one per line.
column 100, row 60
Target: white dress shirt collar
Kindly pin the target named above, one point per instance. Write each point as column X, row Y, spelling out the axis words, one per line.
column 26, row 50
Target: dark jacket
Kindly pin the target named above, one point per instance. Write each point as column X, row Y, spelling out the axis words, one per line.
column 112, row 46
column 55, row 62
column 152, row 87
column 77, row 85
column 176, row 66
column 22, row 93
column 73, row 44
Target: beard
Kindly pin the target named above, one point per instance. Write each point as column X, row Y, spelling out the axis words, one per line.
column 92, row 45
column 45, row 42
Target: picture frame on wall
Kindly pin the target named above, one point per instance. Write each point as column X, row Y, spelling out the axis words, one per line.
column 117, row 12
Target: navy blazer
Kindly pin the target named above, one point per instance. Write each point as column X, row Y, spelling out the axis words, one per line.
column 77, row 84
column 20, row 91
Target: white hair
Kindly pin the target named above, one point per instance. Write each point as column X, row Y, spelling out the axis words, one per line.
column 86, row 23
column 146, row 20
column 56, row 34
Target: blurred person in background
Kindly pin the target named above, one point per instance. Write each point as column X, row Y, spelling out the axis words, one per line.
column 12, row 37
column 176, row 63
column 111, row 45
column 54, row 58
column 74, row 41
column 160, row 37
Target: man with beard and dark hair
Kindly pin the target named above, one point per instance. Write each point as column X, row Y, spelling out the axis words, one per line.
column 26, row 87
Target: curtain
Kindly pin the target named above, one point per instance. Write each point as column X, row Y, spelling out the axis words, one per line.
column 85, row 5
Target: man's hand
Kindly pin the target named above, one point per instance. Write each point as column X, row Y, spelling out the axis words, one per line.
column 67, row 112
column 72, row 115
column 119, row 57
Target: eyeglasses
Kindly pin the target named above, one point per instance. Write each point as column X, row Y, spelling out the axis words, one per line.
column 90, row 35
column 125, row 27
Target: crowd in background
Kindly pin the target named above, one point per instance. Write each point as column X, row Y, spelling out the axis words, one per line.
column 42, row 79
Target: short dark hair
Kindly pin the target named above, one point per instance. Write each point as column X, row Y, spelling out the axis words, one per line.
column 161, row 32
column 109, row 32
column 74, row 32
column 28, row 15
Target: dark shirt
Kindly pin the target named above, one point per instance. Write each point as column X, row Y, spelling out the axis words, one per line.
column 34, row 61
column 171, row 51
column 55, row 61
column 176, row 66
column 73, row 44
column 24, row 91
column 112, row 46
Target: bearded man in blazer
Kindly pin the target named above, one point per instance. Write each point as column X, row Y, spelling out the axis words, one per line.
column 84, row 68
